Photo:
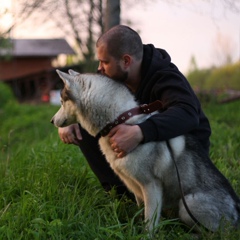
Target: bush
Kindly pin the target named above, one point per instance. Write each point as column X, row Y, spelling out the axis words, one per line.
column 198, row 78
column 216, row 84
column 6, row 94
column 222, row 78
column 226, row 77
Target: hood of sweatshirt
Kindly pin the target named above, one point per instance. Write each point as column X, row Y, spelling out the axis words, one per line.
column 155, row 61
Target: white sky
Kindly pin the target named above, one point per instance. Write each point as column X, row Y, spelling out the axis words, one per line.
column 188, row 29
column 184, row 30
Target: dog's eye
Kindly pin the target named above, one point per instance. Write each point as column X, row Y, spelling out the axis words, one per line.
column 61, row 102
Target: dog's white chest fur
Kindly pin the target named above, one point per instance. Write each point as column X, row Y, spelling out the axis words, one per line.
column 144, row 164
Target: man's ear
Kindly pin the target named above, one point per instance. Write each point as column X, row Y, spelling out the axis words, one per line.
column 67, row 79
column 127, row 60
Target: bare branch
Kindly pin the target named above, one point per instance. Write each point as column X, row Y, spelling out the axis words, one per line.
column 71, row 21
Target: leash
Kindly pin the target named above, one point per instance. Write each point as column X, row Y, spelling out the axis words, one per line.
column 180, row 187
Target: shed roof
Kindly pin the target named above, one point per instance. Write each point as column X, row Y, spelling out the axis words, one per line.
column 38, row 48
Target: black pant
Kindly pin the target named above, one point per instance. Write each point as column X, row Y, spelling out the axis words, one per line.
column 101, row 168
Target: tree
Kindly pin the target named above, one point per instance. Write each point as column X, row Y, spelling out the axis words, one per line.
column 223, row 49
column 112, row 14
column 77, row 19
column 81, row 20
column 193, row 64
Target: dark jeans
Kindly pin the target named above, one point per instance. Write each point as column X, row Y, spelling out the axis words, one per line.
column 101, row 168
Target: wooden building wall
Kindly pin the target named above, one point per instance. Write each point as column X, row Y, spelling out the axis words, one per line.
column 19, row 67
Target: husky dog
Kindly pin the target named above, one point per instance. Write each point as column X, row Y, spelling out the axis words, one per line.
column 148, row 171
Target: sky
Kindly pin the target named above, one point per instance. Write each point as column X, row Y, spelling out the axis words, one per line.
column 189, row 29
column 199, row 29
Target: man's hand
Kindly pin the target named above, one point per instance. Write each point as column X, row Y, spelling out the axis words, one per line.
column 124, row 138
column 70, row 134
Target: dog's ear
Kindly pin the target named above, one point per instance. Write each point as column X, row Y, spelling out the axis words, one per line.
column 67, row 79
column 72, row 72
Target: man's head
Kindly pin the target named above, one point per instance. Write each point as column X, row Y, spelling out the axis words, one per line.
column 118, row 50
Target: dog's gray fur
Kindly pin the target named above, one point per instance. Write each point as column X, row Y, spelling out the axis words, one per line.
column 148, row 171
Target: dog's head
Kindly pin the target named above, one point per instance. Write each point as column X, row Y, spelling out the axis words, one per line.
column 67, row 114
column 93, row 100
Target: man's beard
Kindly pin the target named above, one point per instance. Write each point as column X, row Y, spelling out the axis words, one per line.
column 121, row 76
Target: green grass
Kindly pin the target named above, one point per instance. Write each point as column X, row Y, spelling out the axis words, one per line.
column 47, row 190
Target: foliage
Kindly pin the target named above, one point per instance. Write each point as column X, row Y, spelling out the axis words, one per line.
column 225, row 77
column 89, row 66
column 47, row 190
column 216, row 84
column 5, row 48
column 6, row 94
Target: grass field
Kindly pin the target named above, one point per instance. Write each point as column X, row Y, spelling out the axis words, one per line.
column 47, row 190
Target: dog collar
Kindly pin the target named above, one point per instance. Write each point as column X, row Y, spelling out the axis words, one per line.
column 142, row 109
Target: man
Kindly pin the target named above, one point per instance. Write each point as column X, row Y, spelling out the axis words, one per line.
column 149, row 75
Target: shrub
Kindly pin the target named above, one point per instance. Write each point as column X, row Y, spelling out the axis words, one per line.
column 226, row 77
column 222, row 78
column 6, row 94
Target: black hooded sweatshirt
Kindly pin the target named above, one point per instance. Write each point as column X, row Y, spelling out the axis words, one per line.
column 182, row 112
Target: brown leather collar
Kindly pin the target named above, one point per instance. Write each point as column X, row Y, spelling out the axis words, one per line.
column 142, row 109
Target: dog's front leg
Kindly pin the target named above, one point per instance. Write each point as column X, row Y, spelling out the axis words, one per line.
column 152, row 203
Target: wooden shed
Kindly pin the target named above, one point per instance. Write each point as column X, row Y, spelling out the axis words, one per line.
column 27, row 66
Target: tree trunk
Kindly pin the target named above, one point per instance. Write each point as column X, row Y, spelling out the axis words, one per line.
column 112, row 14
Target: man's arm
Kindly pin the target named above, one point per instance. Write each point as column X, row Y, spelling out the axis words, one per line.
column 124, row 138
column 70, row 134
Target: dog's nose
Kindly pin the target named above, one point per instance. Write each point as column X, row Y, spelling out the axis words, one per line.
column 52, row 121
